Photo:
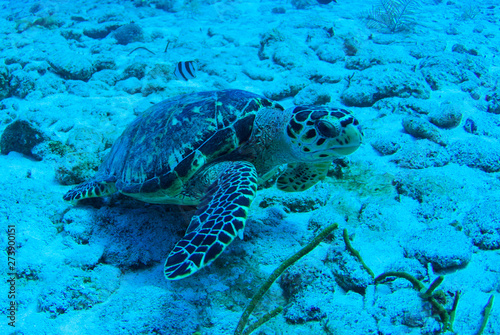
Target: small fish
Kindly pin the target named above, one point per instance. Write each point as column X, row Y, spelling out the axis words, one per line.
column 326, row 2
column 186, row 70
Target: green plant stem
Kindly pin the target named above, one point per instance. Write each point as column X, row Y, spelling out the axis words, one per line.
column 443, row 313
column 486, row 314
column 433, row 286
column 454, row 309
column 417, row 284
column 262, row 320
column 276, row 273
column 356, row 253
column 139, row 48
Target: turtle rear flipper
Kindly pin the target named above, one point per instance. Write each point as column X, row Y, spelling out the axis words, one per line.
column 301, row 176
column 220, row 217
column 91, row 189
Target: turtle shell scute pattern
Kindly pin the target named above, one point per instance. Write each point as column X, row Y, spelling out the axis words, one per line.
column 172, row 140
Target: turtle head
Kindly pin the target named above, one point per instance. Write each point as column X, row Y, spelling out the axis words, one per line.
column 320, row 133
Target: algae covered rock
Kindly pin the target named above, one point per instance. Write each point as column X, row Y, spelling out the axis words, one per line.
column 301, row 284
column 330, row 53
column 322, row 73
column 160, row 312
column 314, row 94
column 493, row 103
column 52, row 150
column 108, row 77
column 285, row 88
column 135, row 246
column 78, row 224
column 78, row 289
column 482, row 224
column 401, row 311
column 348, row 271
column 357, row 320
column 298, row 202
column 446, row 117
column 22, row 83
column 385, row 146
column 49, row 84
column 129, row 33
column 291, row 55
column 302, row 4
column 78, row 87
column 131, row 85
column 71, row 65
column 104, row 62
column 420, row 128
column 385, row 81
column 478, row 153
column 137, row 70
column 20, row 136
column 256, row 73
column 420, row 155
column 100, row 31
column 77, row 167
column 285, row 49
column 4, row 82
column 86, row 139
column 440, row 71
column 424, row 189
column 444, row 247
column 409, row 265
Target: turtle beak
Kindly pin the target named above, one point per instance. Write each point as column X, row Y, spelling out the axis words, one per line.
column 354, row 134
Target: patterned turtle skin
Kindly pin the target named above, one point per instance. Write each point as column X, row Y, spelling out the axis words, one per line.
column 213, row 149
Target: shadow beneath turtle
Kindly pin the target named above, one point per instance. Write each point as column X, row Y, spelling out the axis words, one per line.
column 134, row 234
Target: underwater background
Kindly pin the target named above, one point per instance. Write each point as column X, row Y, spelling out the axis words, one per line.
column 419, row 201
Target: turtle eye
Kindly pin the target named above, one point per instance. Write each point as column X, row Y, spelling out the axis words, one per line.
column 327, row 129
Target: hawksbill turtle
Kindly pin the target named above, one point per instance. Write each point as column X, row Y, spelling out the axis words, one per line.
column 213, row 149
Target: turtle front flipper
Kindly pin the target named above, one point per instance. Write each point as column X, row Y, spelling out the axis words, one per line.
column 91, row 189
column 220, row 217
column 301, row 176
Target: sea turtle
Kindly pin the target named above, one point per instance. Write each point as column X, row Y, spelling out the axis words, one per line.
column 212, row 149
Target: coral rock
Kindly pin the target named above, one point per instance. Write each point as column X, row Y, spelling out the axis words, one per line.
column 20, row 136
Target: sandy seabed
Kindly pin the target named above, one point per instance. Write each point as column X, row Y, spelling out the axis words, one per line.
column 420, row 196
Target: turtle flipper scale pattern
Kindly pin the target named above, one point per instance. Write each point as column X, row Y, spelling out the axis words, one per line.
column 91, row 189
column 220, row 217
